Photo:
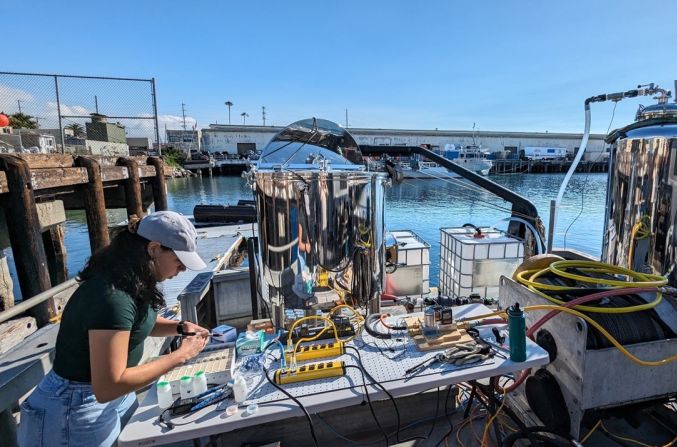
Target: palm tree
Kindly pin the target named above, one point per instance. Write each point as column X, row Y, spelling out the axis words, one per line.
column 244, row 116
column 77, row 129
column 22, row 121
column 229, row 104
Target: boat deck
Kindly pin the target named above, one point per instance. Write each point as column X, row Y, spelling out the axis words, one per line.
column 214, row 245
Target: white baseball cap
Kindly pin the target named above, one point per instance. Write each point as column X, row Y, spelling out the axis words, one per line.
column 174, row 231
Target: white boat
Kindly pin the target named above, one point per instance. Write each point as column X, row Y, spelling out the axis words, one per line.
column 472, row 157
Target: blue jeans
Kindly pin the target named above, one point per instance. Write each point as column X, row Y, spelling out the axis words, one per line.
column 60, row 412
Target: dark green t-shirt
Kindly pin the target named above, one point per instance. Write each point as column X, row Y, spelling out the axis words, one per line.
column 98, row 305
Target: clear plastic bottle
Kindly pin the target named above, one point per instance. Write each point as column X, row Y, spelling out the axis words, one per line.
column 199, row 383
column 186, row 387
column 164, row 395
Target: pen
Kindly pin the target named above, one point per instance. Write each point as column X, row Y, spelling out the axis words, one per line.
column 188, row 334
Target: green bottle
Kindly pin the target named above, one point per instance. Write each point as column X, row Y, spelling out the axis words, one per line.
column 517, row 333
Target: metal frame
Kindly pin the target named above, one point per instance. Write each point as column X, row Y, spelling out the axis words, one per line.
column 153, row 95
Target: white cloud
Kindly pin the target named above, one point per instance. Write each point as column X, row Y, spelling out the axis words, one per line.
column 175, row 122
column 67, row 110
column 9, row 97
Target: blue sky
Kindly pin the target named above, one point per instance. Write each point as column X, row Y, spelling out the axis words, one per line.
column 505, row 65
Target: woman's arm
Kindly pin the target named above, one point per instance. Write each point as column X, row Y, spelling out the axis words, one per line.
column 167, row 328
column 164, row 327
column 108, row 362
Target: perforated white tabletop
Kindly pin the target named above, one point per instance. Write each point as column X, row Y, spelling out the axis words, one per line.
column 387, row 365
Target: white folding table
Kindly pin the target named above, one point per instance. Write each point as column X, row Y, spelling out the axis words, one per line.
column 386, row 364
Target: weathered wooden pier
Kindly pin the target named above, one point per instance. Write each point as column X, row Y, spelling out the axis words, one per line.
column 545, row 166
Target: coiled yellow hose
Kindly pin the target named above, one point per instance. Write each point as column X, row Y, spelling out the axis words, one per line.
column 528, row 278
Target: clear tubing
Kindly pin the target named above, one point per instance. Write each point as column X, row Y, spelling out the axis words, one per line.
column 572, row 169
column 540, row 244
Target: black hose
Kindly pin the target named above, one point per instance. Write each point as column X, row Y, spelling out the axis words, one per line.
column 478, row 231
column 374, row 318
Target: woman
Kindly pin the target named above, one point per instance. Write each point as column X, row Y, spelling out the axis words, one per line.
column 89, row 394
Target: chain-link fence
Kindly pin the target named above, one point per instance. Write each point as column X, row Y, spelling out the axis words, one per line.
column 78, row 114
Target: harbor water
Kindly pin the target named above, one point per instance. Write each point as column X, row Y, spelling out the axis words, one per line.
column 423, row 206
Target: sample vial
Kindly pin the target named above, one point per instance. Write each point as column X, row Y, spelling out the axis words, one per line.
column 164, row 395
column 199, row 383
column 186, row 387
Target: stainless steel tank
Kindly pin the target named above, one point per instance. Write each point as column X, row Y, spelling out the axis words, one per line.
column 321, row 219
column 642, row 193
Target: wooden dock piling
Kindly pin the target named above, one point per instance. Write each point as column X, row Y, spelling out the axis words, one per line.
column 159, row 185
column 54, row 240
column 23, row 226
column 132, row 187
column 94, row 204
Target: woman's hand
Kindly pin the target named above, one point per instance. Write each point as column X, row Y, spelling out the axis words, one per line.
column 192, row 327
column 192, row 345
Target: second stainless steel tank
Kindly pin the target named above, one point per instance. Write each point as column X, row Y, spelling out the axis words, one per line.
column 642, row 193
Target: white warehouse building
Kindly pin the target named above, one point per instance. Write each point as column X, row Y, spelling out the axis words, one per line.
column 237, row 139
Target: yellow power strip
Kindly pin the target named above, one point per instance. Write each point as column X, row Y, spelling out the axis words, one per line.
column 319, row 351
column 312, row 371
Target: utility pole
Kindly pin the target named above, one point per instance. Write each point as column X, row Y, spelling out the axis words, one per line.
column 183, row 134
column 244, row 116
column 346, row 118
column 96, row 104
column 37, row 120
column 263, row 111
column 229, row 104
column 19, row 101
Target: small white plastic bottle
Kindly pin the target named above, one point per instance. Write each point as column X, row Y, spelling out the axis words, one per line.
column 186, row 387
column 164, row 395
column 240, row 390
column 199, row 383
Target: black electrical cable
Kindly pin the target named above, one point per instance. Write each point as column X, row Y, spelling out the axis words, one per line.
column 378, row 384
column 371, row 406
column 297, row 402
column 362, row 276
column 446, row 414
column 367, row 443
column 437, row 410
column 394, row 402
